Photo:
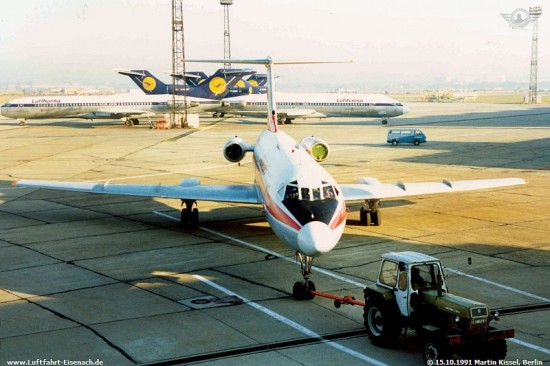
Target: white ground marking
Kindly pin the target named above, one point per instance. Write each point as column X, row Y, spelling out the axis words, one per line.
column 308, row 332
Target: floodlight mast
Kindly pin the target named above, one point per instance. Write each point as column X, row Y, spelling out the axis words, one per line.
column 179, row 107
column 226, row 34
column 534, row 13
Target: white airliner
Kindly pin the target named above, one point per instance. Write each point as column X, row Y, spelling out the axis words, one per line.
column 129, row 107
column 304, row 205
column 318, row 105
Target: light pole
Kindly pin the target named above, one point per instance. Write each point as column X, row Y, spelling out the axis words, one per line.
column 534, row 14
column 226, row 35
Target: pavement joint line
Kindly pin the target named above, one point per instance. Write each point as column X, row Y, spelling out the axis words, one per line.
column 359, row 284
column 308, row 332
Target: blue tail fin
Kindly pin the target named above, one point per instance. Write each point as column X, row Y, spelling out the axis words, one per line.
column 194, row 78
column 258, row 80
column 147, row 82
column 218, row 85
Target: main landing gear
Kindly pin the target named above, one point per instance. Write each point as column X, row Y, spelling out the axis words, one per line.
column 370, row 213
column 301, row 289
column 189, row 216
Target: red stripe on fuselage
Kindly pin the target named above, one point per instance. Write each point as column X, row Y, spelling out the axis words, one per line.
column 341, row 218
column 270, row 205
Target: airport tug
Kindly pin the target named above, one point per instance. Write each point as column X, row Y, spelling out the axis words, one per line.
column 411, row 293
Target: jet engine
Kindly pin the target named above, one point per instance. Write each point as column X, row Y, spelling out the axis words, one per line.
column 315, row 147
column 235, row 148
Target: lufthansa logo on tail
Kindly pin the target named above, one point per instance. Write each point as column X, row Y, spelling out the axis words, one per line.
column 149, row 83
column 217, row 85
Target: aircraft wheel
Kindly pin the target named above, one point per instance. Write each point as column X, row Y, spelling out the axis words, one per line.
column 376, row 217
column 384, row 121
column 184, row 217
column 300, row 292
column 364, row 217
column 194, row 219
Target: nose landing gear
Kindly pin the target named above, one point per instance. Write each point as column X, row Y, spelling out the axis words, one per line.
column 302, row 289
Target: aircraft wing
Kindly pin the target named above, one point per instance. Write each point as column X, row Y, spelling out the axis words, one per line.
column 188, row 189
column 117, row 113
column 371, row 188
column 285, row 113
column 299, row 113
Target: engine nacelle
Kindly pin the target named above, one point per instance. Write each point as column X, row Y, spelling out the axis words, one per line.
column 235, row 149
column 315, row 147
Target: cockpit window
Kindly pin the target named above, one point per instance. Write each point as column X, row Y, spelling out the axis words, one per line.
column 328, row 192
column 312, row 204
column 316, row 194
column 291, row 193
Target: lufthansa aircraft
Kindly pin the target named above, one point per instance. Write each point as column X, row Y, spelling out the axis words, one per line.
column 304, row 205
column 247, row 99
column 311, row 105
column 129, row 107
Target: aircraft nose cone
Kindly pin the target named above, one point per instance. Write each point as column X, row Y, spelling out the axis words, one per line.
column 316, row 238
column 406, row 109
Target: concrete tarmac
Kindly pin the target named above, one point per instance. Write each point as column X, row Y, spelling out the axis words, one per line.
column 116, row 281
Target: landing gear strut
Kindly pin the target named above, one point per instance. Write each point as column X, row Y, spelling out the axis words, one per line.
column 301, row 289
column 189, row 215
column 370, row 213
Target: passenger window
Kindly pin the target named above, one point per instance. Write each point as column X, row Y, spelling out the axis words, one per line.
column 388, row 273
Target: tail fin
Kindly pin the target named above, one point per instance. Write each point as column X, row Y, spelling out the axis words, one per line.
column 258, row 80
column 194, row 78
column 218, row 85
column 147, row 82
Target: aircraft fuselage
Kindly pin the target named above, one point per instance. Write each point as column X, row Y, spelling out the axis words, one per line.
column 328, row 104
column 303, row 203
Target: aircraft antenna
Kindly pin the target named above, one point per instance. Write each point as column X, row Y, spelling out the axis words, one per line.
column 226, row 34
column 179, row 107
column 534, row 13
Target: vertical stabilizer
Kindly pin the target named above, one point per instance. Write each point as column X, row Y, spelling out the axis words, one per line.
column 147, row 82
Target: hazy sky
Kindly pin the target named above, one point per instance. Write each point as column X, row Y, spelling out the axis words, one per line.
column 392, row 43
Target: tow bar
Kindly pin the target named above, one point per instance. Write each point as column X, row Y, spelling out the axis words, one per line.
column 338, row 300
